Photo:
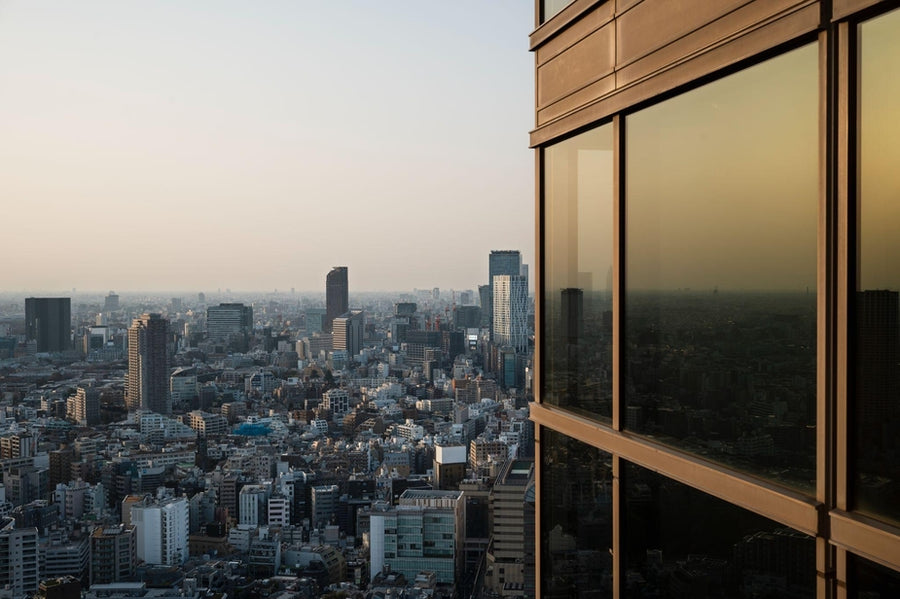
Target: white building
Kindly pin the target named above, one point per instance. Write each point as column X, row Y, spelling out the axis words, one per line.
column 338, row 401
column 162, row 529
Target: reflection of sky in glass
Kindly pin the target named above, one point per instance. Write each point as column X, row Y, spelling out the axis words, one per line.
column 879, row 244
column 722, row 182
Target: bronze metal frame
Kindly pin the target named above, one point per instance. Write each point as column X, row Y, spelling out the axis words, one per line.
column 744, row 30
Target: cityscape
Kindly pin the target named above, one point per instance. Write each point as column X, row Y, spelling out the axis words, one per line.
column 340, row 442
column 565, row 299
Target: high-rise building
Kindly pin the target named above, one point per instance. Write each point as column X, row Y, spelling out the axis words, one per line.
column 511, row 312
column 48, row 322
column 111, row 302
column 147, row 386
column 347, row 332
column 19, row 559
column 337, row 296
column 506, row 552
column 113, row 554
column 85, row 406
column 161, row 529
column 231, row 324
column 716, row 318
column 500, row 262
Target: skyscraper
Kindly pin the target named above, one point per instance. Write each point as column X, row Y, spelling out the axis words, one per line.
column 147, row 387
column 48, row 321
column 716, row 417
column 500, row 262
column 231, row 324
column 511, row 312
column 337, row 299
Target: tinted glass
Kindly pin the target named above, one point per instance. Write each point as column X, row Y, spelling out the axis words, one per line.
column 576, row 517
column 868, row 580
column 680, row 542
column 875, row 410
column 577, row 301
column 551, row 7
column 720, row 269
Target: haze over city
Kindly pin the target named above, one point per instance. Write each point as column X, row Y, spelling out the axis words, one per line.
column 200, row 146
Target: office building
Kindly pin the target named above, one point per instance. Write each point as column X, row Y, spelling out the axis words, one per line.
column 113, row 554
column 347, row 332
column 500, row 262
column 111, row 302
column 716, row 261
column 147, row 385
column 48, row 322
column 510, row 311
column 315, row 319
column 161, row 530
column 449, row 466
column 337, row 296
column 425, row 531
column 230, row 324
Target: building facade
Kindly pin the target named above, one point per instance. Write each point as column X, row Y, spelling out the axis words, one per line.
column 231, row 324
column 715, row 412
column 500, row 262
column 347, row 332
column 337, row 296
column 48, row 322
column 510, row 326
column 147, row 385
column 161, row 530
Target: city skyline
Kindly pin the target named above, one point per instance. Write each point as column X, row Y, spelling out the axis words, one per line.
column 138, row 143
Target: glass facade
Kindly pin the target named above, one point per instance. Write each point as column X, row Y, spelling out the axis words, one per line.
column 578, row 260
column 876, row 386
column 719, row 300
column 720, row 213
column 576, row 515
column 551, row 7
column 680, row 542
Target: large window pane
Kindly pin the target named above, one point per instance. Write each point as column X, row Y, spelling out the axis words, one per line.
column 876, row 411
column 720, row 306
column 576, row 518
column 577, row 300
column 681, row 542
column 868, row 580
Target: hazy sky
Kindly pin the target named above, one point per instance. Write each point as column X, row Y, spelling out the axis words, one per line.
column 253, row 145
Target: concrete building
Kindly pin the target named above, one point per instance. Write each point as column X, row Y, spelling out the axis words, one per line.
column 347, row 332
column 19, row 559
column 510, row 312
column 162, row 527
column 85, row 406
column 449, row 466
column 147, row 384
column 506, row 553
column 230, row 324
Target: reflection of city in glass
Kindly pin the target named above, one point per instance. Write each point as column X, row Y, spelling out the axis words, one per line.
column 577, row 303
column 875, row 388
column 680, row 542
column 576, row 515
column 720, row 269
column 730, row 376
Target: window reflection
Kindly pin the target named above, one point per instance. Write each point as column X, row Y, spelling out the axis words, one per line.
column 576, row 518
column 875, row 414
column 680, row 542
column 868, row 580
column 720, row 269
column 577, row 301
column 549, row 8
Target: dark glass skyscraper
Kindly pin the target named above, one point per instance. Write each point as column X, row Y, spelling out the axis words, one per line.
column 48, row 321
column 336, row 296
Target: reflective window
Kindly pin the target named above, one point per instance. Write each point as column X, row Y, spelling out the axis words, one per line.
column 680, row 542
column 576, row 518
column 876, row 386
column 550, row 7
column 868, row 580
column 720, row 269
column 577, row 300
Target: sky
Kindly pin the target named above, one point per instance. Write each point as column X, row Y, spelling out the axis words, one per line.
column 254, row 145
